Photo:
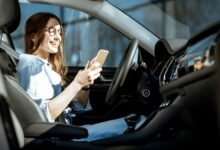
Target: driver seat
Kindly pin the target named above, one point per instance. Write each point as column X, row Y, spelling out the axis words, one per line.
column 25, row 108
column 30, row 116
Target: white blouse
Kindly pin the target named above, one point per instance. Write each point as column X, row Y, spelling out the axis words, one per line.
column 41, row 82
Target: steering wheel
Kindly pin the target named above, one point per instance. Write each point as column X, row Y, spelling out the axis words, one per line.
column 121, row 72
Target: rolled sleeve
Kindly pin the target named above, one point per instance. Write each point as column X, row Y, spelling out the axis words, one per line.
column 43, row 104
column 78, row 108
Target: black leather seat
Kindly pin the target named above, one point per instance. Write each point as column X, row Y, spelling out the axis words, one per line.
column 12, row 137
column 10, row 15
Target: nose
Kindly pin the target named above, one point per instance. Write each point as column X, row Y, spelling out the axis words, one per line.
column 57, row 36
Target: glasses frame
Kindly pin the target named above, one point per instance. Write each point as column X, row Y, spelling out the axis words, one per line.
column 53, row 31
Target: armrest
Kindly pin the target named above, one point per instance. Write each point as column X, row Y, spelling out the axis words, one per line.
column 55, row 130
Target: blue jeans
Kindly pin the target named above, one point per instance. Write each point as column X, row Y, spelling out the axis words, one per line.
column 104, row 129
column 108, row 128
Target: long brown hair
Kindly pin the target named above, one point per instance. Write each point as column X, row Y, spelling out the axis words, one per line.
column 34, row 26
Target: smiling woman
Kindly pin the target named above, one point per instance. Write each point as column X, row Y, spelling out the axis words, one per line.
column 42, row 69
column 33, row 40
column 84, row 35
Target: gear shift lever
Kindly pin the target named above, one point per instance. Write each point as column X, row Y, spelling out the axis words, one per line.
column 131, row 120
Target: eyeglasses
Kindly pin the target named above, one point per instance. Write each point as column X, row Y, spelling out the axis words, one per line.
column 53, row 31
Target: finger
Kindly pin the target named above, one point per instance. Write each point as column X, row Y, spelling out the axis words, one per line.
column 87, row 64
column 97, row 70
column 95, row 76
column 91, row 65
column 94, row 72
column 93, row 60
column 96, row 65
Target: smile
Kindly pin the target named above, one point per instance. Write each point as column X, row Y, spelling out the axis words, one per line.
column 55, row 44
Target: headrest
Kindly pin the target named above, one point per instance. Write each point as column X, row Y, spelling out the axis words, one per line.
column 9, row 15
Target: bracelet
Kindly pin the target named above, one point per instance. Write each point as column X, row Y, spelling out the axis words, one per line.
column 86, row 88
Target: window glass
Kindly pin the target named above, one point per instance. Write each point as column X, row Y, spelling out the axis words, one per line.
column 172, row 18
column 84, row 35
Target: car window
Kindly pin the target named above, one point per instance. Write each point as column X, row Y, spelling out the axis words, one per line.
column 172, row 19
column 84, row 35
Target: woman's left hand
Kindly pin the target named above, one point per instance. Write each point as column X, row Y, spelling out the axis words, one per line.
column 93, row 69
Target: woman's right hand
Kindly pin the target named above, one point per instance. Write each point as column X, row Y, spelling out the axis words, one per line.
column 87, row 76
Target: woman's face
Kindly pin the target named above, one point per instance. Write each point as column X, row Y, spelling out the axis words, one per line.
column 52, row 37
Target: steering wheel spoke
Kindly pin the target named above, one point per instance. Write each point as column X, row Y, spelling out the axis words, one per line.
column 121, row 73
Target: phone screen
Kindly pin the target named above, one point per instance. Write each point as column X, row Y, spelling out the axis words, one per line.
column 101, row 56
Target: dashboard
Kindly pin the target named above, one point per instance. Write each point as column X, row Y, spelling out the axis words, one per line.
column 197, row 56
column 189, row 83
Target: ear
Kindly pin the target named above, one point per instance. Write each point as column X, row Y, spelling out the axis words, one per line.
column 33, row 37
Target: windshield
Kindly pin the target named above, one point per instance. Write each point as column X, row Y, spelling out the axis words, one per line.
column 172, row 19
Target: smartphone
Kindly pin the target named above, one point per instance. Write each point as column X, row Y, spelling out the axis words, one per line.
column 101, row 56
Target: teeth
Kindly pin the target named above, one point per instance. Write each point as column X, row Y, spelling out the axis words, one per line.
column 54, row 43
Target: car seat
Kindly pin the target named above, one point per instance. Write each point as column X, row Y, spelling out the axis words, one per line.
column 12, row 137
column 32, row 119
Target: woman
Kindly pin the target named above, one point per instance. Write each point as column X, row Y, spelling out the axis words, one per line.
column 41, row 71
